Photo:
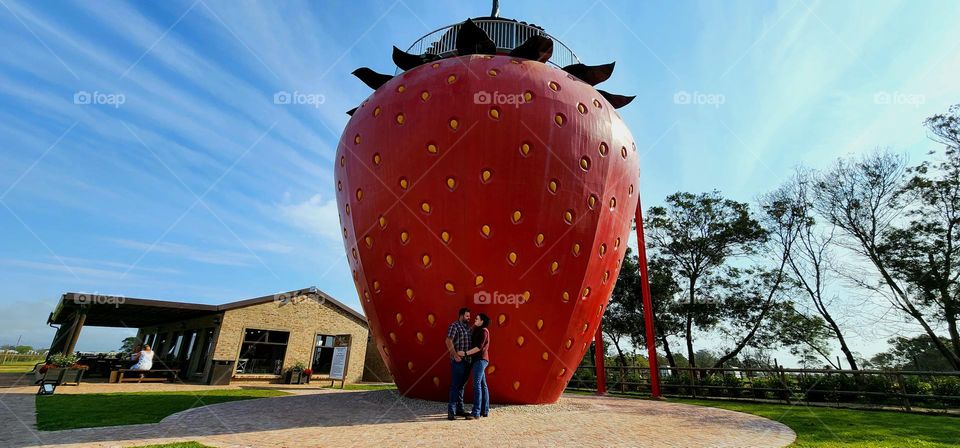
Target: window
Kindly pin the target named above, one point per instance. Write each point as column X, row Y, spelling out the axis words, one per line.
column 161, row 342
column 322, row 355
column 263, row 351
column 174, row 348
column 204, row 342
column 187, row 348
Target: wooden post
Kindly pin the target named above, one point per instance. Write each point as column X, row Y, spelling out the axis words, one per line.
column 78, row 322
column 783, row 381
column 647, row 306
column 903, row 392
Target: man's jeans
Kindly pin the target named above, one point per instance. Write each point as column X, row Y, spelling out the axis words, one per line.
column 481, row 396
column 459, row 372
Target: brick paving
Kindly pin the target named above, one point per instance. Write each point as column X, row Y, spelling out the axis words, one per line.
column 320, row 418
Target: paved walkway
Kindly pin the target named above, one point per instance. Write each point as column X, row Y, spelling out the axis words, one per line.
column 325, row 418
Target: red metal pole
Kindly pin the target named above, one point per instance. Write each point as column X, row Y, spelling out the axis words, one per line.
column 647, row 306
column 598, row 360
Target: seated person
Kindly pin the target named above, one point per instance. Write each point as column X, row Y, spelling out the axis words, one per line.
column 144, row 359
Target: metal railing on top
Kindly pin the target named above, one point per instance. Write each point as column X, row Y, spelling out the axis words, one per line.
column 506, row 34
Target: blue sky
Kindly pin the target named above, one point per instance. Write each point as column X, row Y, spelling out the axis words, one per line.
column 199, row 188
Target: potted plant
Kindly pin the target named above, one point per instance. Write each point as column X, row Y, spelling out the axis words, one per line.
column 296, row 373
column 61, row 368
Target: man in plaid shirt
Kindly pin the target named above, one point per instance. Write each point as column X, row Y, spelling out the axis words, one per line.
column 458, row 340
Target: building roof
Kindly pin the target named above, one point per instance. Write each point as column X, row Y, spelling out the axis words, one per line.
column 120, row 311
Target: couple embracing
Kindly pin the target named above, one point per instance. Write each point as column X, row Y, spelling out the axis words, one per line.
column 468, row 347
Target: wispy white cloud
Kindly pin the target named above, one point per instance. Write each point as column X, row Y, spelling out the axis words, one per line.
column 200, row 254
column 316, row 216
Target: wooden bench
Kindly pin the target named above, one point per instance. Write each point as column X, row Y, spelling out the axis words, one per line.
column 152, row 375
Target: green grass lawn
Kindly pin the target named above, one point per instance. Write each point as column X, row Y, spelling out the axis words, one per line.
column 848, row 428
column 56, row 412
column 818, row 426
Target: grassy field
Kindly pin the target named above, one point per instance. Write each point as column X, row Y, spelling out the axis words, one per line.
column 56, row 412
column 820, row 427
column 17, row 366
column 847, row 428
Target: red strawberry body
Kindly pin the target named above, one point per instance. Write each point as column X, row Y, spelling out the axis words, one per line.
column 442, row 198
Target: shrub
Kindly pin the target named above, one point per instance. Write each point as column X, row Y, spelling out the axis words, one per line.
column 716, row 383
column 914, row 385
column 817, row 387
column 946, row 385
column 733, row 385
column 757, row 384
column 878, row 384
column 634, row 380
column 676, row 384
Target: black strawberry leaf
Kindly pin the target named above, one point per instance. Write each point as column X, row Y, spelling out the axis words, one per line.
column 536, row 48
column 371, row 78
column 471, row 39
column 407, row 61
column 591, row 74
column 617, row 101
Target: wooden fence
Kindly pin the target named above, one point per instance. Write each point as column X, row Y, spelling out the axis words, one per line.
column 906, row 389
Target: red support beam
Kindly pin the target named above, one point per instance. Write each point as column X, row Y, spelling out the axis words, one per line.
column 647, row 306
column 599, row 355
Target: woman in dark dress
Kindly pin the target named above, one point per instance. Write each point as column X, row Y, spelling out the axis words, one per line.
column 479, row 352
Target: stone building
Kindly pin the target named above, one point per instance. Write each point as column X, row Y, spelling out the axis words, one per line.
column 262, row 338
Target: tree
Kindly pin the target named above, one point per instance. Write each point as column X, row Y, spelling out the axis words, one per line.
column 624, row 318
column 805, row 336
column 865, row 198
column 916, row 353
column 668, row 322
column 23, row 349
column 129, row 344
column 624, row 310
column 924, row 252
column 696, row 234
column 789, row 215
column 755, row 310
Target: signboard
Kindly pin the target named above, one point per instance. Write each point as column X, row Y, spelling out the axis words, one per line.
column 339, row 366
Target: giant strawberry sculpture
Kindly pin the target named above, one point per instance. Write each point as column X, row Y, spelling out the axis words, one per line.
column 490, row 180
